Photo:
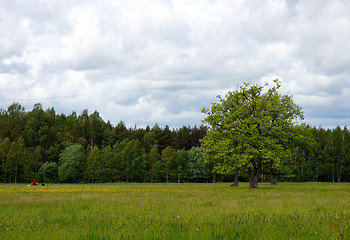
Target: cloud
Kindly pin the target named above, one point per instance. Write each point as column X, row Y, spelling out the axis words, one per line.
column 21, row 68
column 162, row 61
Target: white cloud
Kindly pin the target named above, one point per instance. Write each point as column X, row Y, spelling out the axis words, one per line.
column 162, row 61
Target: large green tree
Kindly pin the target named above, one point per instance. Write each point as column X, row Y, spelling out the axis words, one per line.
column 153, row 158
column 167, row 161
column 251, row 128
column 94, row 165
column 198, row 170
column 16, row 157
column 5, row 166
column 181, row 164
column 71, row 164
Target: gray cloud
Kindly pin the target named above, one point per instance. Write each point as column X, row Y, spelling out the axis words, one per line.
column 20, row 68
column 162, row 61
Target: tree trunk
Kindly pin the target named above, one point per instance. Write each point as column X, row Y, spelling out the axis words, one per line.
column 250, row 179
column 272, row 178
column 4, row 170
column 214, row 177
column 256, row 179
column 339, row 172
column 16, row 174
column 333, row 174
column 339, row 177
column 235, row 184
column 152, row 174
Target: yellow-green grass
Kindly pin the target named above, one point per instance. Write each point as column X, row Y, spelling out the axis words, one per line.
column 175, row 211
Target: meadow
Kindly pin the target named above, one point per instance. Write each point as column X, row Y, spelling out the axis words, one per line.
column 175, row 211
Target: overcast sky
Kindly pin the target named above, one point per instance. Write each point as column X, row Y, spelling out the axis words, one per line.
column 152, row 61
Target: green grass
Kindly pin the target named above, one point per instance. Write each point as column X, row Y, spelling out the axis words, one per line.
column 175, row 211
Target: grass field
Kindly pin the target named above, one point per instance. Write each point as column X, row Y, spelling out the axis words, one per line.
column 175, row 211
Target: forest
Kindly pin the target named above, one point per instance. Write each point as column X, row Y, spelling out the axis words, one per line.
column 42, row 145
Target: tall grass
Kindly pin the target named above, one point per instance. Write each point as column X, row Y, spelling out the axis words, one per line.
column 175, row 211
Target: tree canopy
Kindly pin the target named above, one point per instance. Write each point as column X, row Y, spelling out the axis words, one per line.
column 251, row 128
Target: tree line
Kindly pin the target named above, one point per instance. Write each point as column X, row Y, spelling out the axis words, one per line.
column 326, row 157
column 41, row 145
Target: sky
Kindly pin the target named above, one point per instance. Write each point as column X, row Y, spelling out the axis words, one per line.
column 147, row 62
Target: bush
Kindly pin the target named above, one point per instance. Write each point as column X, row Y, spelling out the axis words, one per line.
column 48, row 172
